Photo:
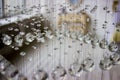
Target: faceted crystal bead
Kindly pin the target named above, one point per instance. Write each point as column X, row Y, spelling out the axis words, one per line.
column 2, row 67
column 73, row 35
column 113, row 47
column 11, row 71
column 19, row 40
column 7, row 40
column 88, row 38
column 88, row 64
column 106, row 64
column 39, row 37
column 29, row 37
column 115, row 58
column 40, row 75
column 59, row 72
column 48, row 34
column 67, row 34
column 103, row 44
column 22, row 53
column 80, row 37
column 19, row 77
column 75, row 70
column 95, row 42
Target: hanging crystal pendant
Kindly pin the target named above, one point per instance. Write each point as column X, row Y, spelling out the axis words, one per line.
column 40, row 75
column 75, row 69
column 29, row 37
column 115, row 58
column 59, row 72
column 103, row 44
column 113, row 47
column 7, row 40
column 106, row 64
column 88, row 64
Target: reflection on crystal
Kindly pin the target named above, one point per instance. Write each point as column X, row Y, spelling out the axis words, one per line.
column 29, row 37
column 19, row 40
column 103, row 44
column 67, row 34
column 115, row 58
column 34, row 47
column 95, row 42
column 59, row 72
column 38, row 25
column 39, row 37
column 75, row 70
column 2, row 67
column 10, row 28
column 7, row 40
column 46, row 28
column 73, row 35
column 80, row 37
column 88, row 38
column 22, row 53
column 40, row 75
column 27, row 43
column 16, row 29
column 16, row 48
column 88, row 64
column 48, row 34
column 113, row 47
column 106, row 64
